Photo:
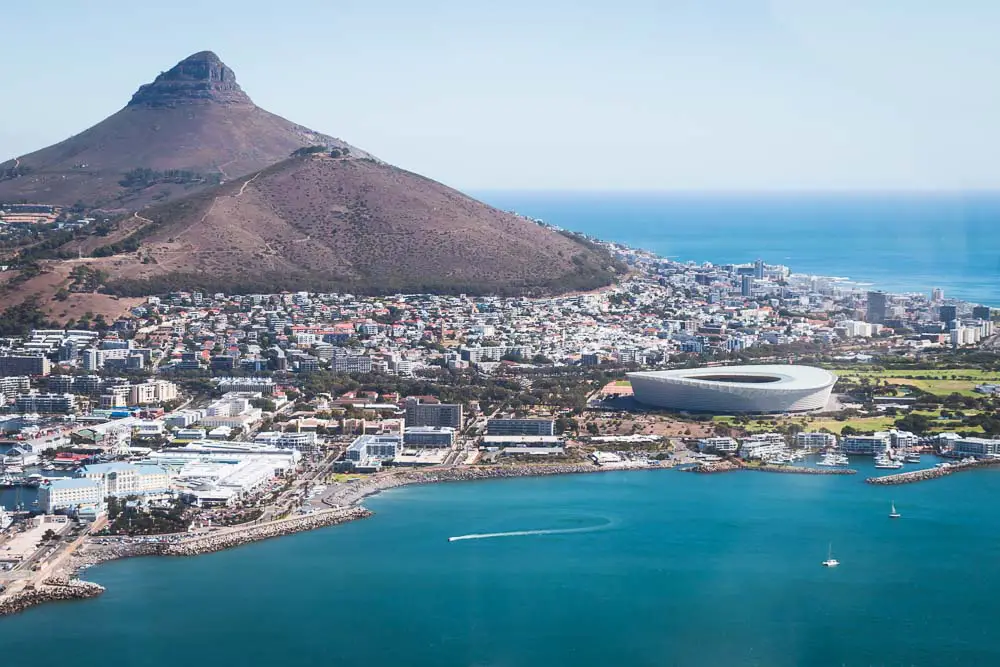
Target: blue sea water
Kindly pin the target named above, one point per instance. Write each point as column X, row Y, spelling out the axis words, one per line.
column 662, row 568
column 898, row 242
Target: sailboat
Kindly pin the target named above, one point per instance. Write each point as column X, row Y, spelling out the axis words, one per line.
column 830, row 560
column 893, row 514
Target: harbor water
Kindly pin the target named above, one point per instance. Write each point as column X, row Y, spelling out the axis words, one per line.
column 630, row 568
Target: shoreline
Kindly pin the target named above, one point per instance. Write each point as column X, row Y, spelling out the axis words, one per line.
column 63, row 582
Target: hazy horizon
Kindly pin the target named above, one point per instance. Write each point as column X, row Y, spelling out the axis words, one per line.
column 741, row 96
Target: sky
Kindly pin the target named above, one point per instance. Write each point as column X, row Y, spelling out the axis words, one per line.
column 558, row 94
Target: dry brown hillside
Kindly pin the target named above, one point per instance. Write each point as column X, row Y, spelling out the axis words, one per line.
column 327, row 223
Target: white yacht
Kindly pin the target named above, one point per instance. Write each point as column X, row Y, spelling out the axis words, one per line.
column 883, row 461
column 830, row 560
column 833, row 459
column 893, row 514
column 6, row 520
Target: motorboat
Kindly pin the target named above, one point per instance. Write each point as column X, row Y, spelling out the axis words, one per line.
column 912, row 458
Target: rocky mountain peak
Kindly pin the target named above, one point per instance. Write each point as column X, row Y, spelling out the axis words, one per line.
column 199, row 78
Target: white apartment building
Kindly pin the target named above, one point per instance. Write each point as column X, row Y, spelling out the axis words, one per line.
column 816, row 440
column 763, row 446
column 866, row 444
column 126, row 479
column 304, row 441
column 69, row 492
column 979, row 447
column 718, row 445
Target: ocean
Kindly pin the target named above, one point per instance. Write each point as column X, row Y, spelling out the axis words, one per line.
column 896, row 242
column 622, row 568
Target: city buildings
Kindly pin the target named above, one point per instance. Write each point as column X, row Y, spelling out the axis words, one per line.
column 520, row 427
column 815, row 440
column 873, row 445
column 429, row 436
column 419, row 413
column 69, row 492
column 126, row 479
column 45, row 403
column 34, row 365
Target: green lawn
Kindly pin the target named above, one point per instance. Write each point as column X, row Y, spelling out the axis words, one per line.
column 860, row 423
column 622, row 383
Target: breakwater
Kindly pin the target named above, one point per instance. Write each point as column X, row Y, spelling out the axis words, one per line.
column 730, row 466
column 930, row 473
column 801, row 470
column 183, row 545
column 52, row 590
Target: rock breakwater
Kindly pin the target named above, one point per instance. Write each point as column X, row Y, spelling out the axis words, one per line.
column 931, row 473
column 52, row 590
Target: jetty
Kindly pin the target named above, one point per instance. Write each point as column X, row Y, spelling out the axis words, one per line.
column 931, row 473
column 51, row 590
column 731, row 466
column 802, row 470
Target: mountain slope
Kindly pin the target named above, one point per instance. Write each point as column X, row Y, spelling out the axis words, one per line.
column 194, row 119
column 328, row 223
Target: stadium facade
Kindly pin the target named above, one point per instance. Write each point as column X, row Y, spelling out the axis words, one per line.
column 735, row 389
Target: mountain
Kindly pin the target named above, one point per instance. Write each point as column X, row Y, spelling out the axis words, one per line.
column 192, row 127
column 217, row 194
column 325, row 223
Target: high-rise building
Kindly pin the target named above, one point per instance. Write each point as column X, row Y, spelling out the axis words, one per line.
column 746, row 286
column 92, row 359
column 937, row 295
column 948, row 314
column 876, row 307
column 758, row 269
column 981, row 312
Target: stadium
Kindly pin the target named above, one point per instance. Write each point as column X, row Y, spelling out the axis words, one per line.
column 735, row 389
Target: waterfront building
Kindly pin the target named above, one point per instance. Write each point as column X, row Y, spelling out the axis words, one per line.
column 429, row 436
column 866, row 444
column 304, row 441
column 978, row 447
column 815, row 440
column 45, row 403
column 367, row 452
column 69, row 492
column 903, row 439
column 127, row 479
column 419, row 413
column 718, row 445
column 521, row 427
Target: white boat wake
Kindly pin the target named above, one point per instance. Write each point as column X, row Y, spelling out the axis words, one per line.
column 525, row 533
